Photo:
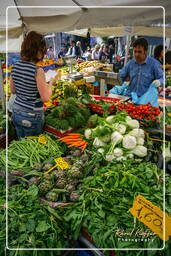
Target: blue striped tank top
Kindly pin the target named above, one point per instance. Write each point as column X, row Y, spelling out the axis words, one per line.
column 23, row 74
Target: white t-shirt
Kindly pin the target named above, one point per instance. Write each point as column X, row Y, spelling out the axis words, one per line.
column 95, row 55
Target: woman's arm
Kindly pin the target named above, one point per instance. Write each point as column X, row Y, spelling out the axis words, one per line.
column 12, row 86
column 44, row 89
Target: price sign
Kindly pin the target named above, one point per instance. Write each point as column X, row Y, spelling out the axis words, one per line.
column 152, row 217
column 61, row 163
column 42, row 139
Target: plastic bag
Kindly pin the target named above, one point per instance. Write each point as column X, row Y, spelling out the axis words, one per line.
column 151, row 96
column 119, row 89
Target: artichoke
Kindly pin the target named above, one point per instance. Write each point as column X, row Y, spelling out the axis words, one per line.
column 59, row 174
column 70, row 187
column 61, row 183
column 46, row 167
column 74, row 173
column 74, row 196
column 52, row 196
column 37, row 166
column 34, row 180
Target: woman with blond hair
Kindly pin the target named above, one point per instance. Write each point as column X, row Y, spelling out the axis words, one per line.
column 95, row 52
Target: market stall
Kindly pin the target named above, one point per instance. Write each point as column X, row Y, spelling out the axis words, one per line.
column 94, row 179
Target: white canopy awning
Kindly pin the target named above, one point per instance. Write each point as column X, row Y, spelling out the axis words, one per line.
column 99, row 15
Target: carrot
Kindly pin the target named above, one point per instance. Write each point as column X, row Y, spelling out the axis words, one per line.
column 74, row 139
column 71, row 142
column 71, row 139
column 83, row 147
column 76, row 144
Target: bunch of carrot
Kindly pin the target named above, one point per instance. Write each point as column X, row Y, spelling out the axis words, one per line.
column 74, row 140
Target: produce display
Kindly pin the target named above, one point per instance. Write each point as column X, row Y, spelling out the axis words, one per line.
column 28, row 152
column 144, row 112
column 45, row 62
column 85, row 182
column 118, row 137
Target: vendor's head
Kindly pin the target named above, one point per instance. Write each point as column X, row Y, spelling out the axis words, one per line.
column 33, row 47
column 140, row 47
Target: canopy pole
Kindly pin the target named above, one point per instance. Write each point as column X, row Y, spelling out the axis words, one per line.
column 2, row 88
column 128, row 38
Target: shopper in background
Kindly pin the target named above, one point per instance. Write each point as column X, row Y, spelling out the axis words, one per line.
column 50, row 53
column 95, row 52
column 79, row 50
column 61, row 53
column 142, row 70
column 104, row 54
column 73, row 49
column 159, row 55
column 28, row 83
column 87, row 54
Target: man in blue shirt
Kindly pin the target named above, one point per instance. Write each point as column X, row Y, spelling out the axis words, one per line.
column 142, row 70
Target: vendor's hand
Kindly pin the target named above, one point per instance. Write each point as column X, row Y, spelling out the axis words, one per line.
column 156, row 83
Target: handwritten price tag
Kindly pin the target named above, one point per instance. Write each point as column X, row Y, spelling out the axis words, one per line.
column 61, row 163
column 42, row 139
column 152, row 217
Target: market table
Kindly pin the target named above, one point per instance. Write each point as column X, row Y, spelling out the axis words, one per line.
column 106, row 78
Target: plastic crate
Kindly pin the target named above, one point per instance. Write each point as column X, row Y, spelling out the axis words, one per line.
column 49, row 66
column 97, row 90
column 56, row 132
column 106, row 99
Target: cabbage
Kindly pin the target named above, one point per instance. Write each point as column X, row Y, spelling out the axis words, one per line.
column 132, row 123
column 137, row 133
column 110, row 119
column 120, row 128
column 140, row 151
column 87, row 133
column 109, row 157
column 98, row 143
column 118, row 152
column 116, row 138
column 141, row 133
column 167, row 152
column 140, row 141
column 129, row 142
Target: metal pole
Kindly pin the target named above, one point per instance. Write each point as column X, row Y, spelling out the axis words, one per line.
column 2, row 88
column 127, row 48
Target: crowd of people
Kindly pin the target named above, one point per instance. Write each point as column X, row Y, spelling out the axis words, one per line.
column 103, row 52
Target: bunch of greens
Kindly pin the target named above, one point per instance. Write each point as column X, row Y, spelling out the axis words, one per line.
column 69, row 114
column 106, row 198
